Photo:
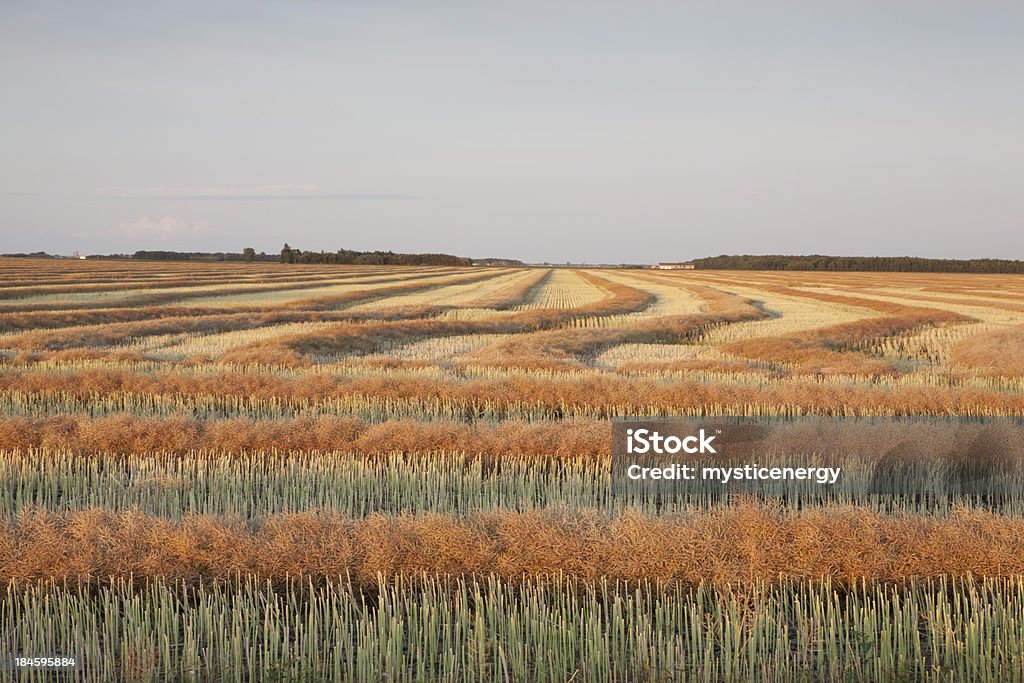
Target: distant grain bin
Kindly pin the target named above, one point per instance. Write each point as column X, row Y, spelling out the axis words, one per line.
column 674, row 266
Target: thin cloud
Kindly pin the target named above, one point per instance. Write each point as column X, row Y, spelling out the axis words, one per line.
column 162, row 229
column 244, row 193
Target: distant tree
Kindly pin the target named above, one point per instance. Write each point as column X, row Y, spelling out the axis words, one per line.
column 287, row 254
column 248, row 254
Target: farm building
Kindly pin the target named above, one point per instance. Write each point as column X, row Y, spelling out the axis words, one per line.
column 674, row 266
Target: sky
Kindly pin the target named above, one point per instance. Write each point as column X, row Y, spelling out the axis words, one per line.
column 600, row 132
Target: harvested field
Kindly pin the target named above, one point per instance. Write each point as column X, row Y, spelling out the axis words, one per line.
column 370, row 473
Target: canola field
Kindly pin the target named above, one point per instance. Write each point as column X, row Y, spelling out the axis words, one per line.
column 252, row 472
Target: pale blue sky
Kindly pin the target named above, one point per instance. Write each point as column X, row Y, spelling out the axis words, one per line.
column 543, row 131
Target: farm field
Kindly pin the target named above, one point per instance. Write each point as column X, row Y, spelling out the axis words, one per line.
column 273, row 473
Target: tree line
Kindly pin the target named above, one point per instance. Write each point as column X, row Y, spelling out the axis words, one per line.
column 905, row 264
column 288, row 254
column 369, row 258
